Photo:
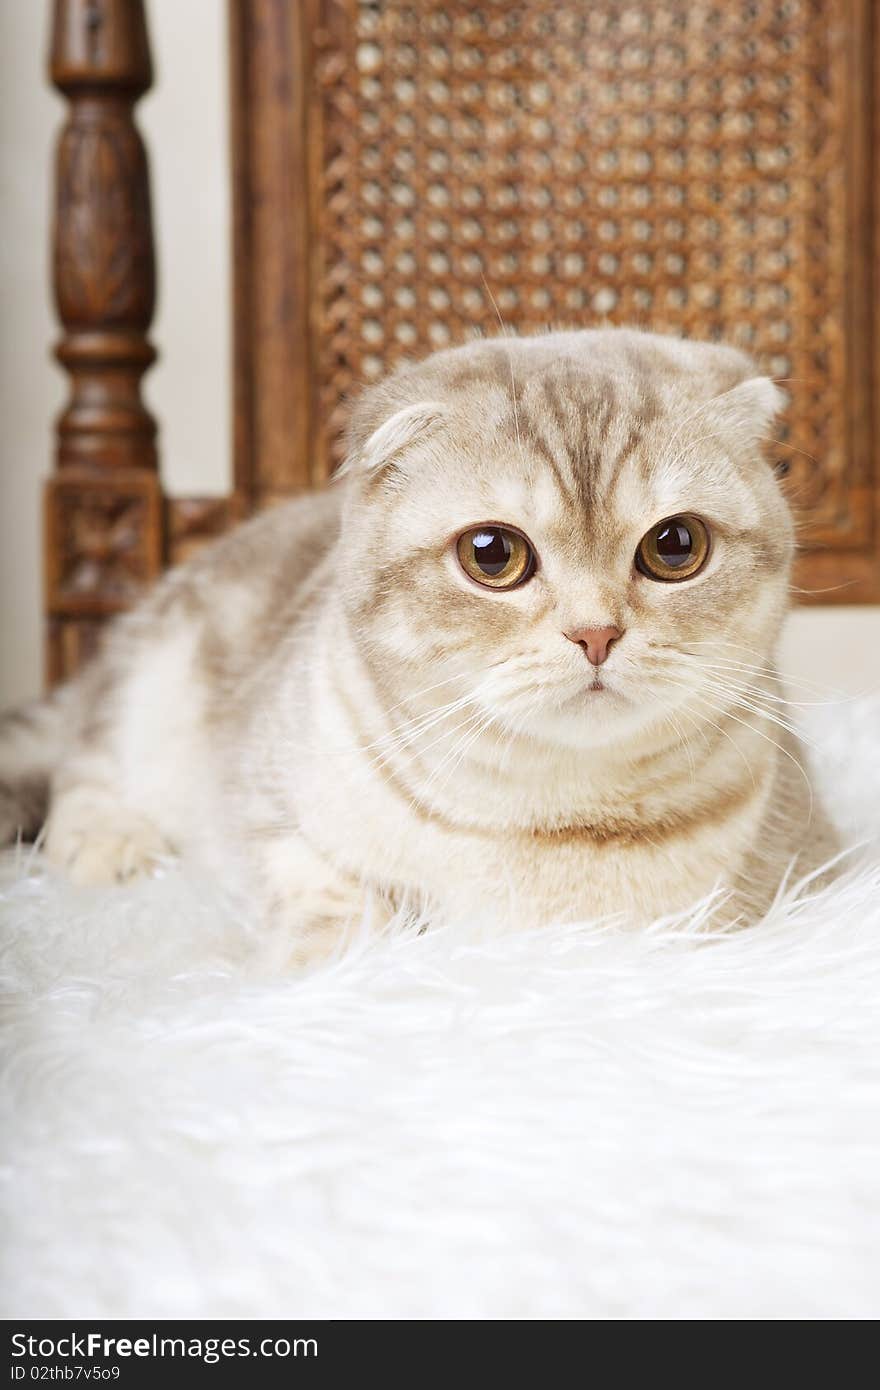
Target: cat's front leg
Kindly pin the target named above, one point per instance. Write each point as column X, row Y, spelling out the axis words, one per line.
column 92, row 834
column 318, row 907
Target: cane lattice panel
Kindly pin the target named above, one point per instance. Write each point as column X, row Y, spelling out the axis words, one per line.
column 683, row 166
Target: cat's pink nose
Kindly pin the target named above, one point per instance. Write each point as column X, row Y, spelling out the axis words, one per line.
column 596, row 641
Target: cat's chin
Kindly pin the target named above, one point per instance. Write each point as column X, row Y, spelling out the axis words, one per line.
column 591, row 717
column 598, row 696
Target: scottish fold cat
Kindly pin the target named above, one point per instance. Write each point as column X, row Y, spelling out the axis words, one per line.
column 516, row 662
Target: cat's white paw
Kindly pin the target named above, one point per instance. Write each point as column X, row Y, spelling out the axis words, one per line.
column 111, row 850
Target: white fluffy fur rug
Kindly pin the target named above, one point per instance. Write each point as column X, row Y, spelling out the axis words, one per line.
column 581, row 1123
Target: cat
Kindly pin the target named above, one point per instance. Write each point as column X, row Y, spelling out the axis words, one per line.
column 515, row 663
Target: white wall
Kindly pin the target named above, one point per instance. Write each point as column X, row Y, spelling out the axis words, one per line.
column 184, row 120
column 832, row 648
column 31, row 391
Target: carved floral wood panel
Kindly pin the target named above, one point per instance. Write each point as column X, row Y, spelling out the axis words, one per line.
column 102, row 534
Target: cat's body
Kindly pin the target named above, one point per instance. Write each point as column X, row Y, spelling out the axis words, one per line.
column 326, row 709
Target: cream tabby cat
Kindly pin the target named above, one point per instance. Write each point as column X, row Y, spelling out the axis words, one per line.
column 515, row 663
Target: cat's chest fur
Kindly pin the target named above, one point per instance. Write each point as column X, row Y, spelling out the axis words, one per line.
column 503, row 834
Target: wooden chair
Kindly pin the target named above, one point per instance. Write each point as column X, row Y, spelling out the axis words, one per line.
column 408, row 172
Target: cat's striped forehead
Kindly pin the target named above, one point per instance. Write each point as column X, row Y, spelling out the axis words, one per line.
column 571, row 441
column 601, row 419
column 580, row 434
column 583, row 440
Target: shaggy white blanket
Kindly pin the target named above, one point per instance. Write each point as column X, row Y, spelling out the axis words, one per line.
column 578, row 1123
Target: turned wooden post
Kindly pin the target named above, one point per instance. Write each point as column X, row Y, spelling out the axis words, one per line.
column 104, row 510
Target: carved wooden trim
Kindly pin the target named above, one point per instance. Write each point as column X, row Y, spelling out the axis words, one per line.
column 273, row 425
column 103, row 535
column 839, row 559
column 104, row 515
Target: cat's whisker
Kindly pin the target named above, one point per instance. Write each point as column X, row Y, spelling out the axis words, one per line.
column 419, row 724
column 516, row 728
column 741, row 672
column 736, row 669
column 750, row 696
column 474, row 736
column 414, row 743
column 418, row 797
column 775, row 672
column 767, row 738
column 749, row 703
column 385, row 742
column 470, row 729
column 827, row 589
column 476, row 730
column 773, row 704
column 673, row 723
column 697, row 714
column 734, row 696
column 501, row 325
column 425, row 690
column 381, row 751
column 753, row 688
column 733, row 679
column 687, row 714
column 488, row 670
column 783, row 444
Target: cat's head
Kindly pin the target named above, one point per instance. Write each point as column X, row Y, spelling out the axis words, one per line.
column 580, row 528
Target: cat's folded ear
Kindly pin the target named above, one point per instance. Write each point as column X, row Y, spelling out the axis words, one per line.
column 749, row 408
column 385, row 445
column 740, row 398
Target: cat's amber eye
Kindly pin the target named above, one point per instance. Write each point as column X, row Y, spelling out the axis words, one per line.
column 495, row 556
column 674, row 549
